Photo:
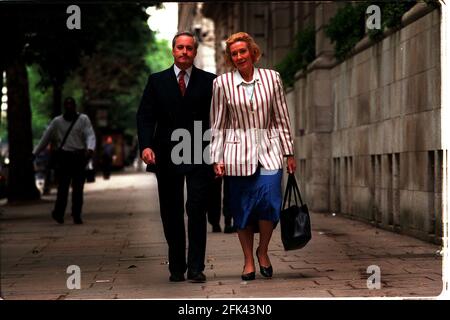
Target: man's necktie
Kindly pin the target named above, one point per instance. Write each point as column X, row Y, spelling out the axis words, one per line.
column 181, row 82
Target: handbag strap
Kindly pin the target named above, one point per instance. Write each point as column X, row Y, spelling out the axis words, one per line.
column 292, row 187
column 288, row 192
column 296, row 189
column 68, row 131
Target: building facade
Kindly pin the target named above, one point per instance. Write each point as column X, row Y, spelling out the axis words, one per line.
column 190, row 18
column 367, row 129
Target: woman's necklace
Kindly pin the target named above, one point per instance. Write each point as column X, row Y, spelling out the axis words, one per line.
column 253, row 91
column 251, row 97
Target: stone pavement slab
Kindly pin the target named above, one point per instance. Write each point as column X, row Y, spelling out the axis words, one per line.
column 121, row 253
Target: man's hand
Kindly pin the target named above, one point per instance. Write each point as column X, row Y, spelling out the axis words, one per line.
column 219, row 169
column 148, row 156
column 291, row 164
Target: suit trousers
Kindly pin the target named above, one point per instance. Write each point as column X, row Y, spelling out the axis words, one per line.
column 215, row 202
column 71, row 170
column 171, row 200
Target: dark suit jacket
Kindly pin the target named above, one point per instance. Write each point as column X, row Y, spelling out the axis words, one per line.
column 163, row 109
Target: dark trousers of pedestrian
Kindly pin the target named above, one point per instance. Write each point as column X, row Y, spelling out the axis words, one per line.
column 215, row 202
column 106, row 166
column 70, row 171
column 171, row 199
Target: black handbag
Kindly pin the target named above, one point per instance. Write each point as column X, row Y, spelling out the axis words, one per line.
column 294, row 220
column 90, row 172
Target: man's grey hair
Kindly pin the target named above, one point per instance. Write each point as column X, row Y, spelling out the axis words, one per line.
column 185, row 33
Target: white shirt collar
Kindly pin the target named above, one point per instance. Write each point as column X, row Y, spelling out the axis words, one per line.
column 177, row 71
column 240, row 80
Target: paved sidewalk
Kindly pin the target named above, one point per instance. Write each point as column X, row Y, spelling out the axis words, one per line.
column 121, row 252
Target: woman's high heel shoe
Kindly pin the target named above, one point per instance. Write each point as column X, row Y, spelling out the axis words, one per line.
column 266, row 272
column 248, row 276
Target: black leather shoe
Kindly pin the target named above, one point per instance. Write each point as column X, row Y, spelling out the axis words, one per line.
column 229, row 229
column 248, row 276
column 196, row 276
column 77, row 220
column 60, row 220
column 266, row 272
column 216, row 228
column 176, row 277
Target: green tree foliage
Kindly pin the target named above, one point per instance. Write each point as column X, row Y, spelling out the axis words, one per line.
column 302, row 54
column 159, row 56
column 393, row 12
column 123, row 112
column 40, row 101
column 54, row 48
column 117, row 70
column 347, row 27
column 37, row 33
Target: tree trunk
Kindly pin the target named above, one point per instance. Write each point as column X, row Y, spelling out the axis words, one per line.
column 1, row 88
column 57, row 94
column 21, row 180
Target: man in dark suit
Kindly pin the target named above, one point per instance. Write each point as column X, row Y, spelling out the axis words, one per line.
column 177, row 101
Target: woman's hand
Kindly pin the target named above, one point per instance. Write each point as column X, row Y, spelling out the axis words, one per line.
column 291, row 164
column 219, row 169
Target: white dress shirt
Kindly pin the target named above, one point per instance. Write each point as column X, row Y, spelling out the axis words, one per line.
column 249, row 86
column 187, row 75
column 81, row 136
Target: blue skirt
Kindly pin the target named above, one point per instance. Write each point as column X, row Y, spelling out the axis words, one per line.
column 252, row 198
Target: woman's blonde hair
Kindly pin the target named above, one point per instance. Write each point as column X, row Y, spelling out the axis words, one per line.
column 254, row 49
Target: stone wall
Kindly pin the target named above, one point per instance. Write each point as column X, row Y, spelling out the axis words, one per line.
column 190, row 18
column 272, row 24
column 367, row 130
column 368, row 133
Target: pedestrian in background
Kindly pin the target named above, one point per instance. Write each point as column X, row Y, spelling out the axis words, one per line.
column 214, row 209
column 250, row 136
column 107, row 157
column 216, row 206
column 75, row 140
column 228, row 217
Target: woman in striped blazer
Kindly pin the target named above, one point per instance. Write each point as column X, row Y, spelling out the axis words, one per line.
column 250, row 137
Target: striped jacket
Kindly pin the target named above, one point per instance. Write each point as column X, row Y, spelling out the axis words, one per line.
column 244, row 133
